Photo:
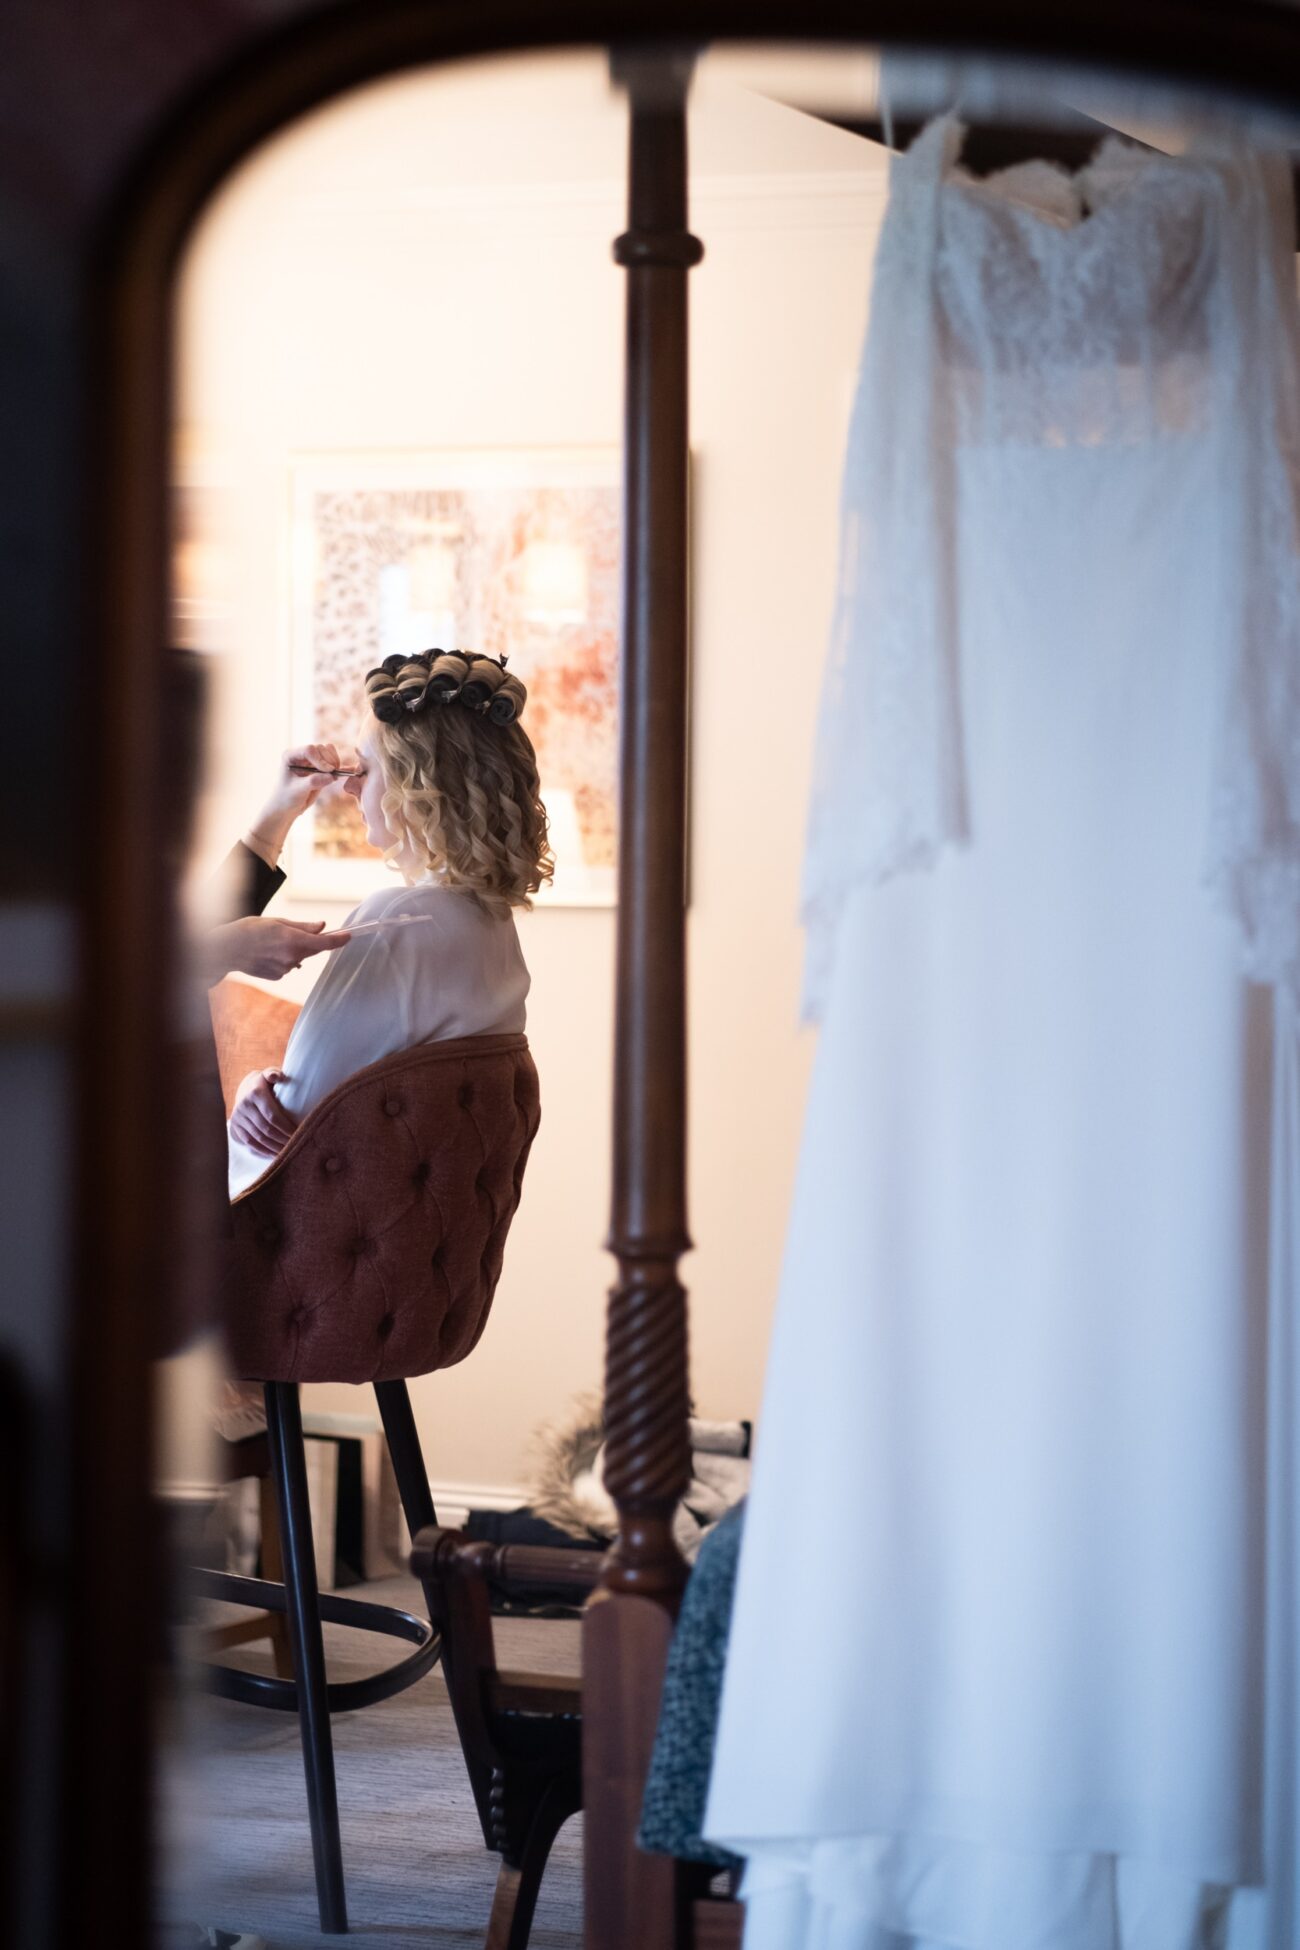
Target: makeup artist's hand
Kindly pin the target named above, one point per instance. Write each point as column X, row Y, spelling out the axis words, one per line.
column 258, row 946
column 303, row 779
column 259, row 1120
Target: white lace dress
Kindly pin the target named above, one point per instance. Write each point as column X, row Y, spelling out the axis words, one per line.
column 1014, row 1661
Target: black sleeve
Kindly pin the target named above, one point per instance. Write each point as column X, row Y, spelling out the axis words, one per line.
column 251, row 881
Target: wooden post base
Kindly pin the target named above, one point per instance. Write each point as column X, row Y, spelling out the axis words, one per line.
column 625, row 1643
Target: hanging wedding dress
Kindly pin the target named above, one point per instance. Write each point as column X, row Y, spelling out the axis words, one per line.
column 1014, row 1661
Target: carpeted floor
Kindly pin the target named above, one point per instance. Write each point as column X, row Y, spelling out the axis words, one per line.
column 418, row 1875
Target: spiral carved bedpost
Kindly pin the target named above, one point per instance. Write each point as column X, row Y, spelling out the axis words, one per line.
column 631, row 1898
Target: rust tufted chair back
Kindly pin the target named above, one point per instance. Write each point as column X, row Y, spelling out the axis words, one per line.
column 371, row 1249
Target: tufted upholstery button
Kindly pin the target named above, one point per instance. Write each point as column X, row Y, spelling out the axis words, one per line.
column 385, row 1327
column 333, row 1164
column 363, row 1248
column 420, row 1176
column 465, row 1095
column 269, row 1235
column 393, row 1106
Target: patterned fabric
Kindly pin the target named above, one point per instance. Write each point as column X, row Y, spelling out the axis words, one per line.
column 677, row 1786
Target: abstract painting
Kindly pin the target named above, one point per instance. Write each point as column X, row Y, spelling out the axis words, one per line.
column 509, row 552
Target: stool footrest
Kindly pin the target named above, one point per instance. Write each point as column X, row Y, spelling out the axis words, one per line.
column 343, row 1695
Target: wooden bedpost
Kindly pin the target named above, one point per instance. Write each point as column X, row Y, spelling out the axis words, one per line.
column 631, row 1898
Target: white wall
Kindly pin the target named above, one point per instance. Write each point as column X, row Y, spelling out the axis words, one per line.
column 427, row 264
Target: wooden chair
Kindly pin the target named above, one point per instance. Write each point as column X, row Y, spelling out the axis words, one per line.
column 369, row 1252
column 521, row 1732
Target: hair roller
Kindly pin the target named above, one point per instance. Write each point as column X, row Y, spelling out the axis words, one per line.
column 484, row 680
column 447, row 673
column 412, row 682
column 403, row 684
column 381, row 690
column 508, row 700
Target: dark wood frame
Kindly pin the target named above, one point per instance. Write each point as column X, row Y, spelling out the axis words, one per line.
column 125, row 1167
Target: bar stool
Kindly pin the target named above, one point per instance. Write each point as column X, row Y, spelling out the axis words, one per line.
column 369, row 1252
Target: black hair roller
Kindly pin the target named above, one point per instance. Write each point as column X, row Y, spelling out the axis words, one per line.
column 382, row 693
column 447, row 673
column 413, row 682
column 484, row 680
column 508, row 700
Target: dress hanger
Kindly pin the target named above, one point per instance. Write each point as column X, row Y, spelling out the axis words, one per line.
column 1072, row 141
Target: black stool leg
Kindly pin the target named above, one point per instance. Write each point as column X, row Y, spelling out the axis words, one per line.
column 408, row 1467
column 289, row 1467
column 408, row 1461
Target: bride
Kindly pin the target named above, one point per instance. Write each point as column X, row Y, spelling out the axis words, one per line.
column 447, row 785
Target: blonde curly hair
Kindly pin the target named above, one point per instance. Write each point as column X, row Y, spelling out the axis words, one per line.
column 463, row 793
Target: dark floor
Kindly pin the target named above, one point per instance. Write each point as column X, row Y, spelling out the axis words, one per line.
column 418, row 1875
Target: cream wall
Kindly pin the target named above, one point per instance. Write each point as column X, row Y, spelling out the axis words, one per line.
column 427, row 265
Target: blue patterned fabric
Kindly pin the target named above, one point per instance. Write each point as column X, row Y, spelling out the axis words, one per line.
column 677, row 1785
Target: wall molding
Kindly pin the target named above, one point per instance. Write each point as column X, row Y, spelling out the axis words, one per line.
column 193, row 1490
column 454, row 1501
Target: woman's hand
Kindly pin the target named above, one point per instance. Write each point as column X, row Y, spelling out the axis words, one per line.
column 259, row 1120
column 304, row 778
column 258, row 946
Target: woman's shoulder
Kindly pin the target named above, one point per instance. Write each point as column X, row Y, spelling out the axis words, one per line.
column 452, row 907
column 393, row 914
column 378, row 905
column 381, row 915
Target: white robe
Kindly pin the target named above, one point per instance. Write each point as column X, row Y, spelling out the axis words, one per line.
column 454, row 971
column 1014, row 1658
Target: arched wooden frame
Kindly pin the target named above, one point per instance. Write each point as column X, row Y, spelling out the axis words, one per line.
column 1245, row 46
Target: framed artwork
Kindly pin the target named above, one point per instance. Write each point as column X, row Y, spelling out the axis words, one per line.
column 504, row 551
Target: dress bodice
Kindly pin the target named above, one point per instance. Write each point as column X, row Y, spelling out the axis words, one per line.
column 1142, row 299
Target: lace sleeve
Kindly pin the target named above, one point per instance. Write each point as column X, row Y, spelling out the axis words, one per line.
column 889, row 778
column 1253, row 861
